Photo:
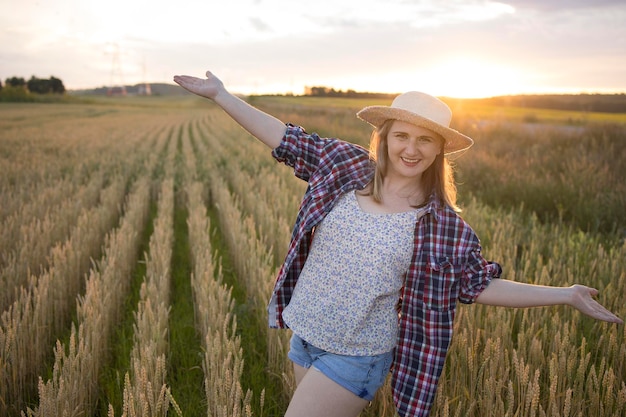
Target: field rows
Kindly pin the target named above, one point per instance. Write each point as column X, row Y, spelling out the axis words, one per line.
column 139, row 246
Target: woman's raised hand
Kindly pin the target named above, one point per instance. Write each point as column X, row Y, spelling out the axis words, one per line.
column 268, row 129
column 208, row 87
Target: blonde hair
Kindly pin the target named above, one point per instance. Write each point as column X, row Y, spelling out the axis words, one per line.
column 438, row 179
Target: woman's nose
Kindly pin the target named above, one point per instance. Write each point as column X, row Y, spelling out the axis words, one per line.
column 412, row 147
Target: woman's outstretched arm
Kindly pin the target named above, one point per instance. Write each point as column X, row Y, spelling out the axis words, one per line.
column 505, row 293
column 261, row 125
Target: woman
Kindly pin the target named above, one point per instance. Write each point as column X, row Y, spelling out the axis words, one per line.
column 379, row 256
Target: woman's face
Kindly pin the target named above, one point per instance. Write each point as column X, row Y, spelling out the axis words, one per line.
column 411, row 149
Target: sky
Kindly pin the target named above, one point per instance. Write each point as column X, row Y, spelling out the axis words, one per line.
column 454, row 48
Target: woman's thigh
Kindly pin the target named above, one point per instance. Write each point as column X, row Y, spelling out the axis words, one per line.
column 299, row 372
column 319, row 396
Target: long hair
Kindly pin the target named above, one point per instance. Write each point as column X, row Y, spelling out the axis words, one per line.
column 438, row 179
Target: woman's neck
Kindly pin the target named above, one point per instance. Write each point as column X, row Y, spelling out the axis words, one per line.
column 398, row 193
column 410, row 188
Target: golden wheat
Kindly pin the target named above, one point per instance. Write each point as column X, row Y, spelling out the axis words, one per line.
column 145, row 389
column 223, row 360
column 534, row 362
column 98, row 311
column 42, row 310
column 30, row 251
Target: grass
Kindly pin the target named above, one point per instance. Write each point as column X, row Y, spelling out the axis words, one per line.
column 255, row 373
column 112, row 377
column 185, row 375
column 571, row 177
column 467, row 108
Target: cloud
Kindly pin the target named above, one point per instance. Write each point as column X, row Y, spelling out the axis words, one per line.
column 285, row 44
column 561, row 5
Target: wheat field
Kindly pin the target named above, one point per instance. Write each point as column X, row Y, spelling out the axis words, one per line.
column 140, row 239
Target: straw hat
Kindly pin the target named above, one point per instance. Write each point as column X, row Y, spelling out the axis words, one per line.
column 421, row 110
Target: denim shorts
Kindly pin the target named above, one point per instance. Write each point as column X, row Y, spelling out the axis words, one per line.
column 361, row 375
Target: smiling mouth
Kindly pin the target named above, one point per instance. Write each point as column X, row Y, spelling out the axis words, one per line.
column 410, row 161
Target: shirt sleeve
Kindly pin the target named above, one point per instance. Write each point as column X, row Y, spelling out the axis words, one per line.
column 477, row 275
column 300, row 150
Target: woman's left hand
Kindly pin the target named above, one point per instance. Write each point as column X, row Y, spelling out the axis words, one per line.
column 583, row 299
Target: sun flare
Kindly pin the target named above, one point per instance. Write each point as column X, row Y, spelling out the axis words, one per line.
column 466, row 77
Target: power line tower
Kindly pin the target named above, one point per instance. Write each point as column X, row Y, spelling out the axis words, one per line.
column 144, row 88
column 116, row 86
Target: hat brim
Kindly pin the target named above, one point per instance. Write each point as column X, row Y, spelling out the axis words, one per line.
column 454, row 140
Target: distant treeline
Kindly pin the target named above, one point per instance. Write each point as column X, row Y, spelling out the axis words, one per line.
column 36, row 85
column 331, row 92
column 156, row 89
column 603, row 103
column 18, row 89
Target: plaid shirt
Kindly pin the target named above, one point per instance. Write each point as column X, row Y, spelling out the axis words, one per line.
column 447, row 264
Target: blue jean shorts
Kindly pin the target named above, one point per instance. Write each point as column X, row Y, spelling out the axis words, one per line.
column 361, row 375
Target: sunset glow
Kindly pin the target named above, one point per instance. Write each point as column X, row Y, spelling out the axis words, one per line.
column 467, row 48
column 465, row 77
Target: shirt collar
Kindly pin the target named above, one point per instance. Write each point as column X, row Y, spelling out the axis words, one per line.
column 433, row 207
